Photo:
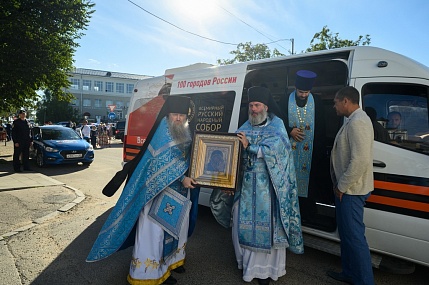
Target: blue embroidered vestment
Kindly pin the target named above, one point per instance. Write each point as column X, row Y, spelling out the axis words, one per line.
column 269, row 214
column 162, row 164
column 302, row 118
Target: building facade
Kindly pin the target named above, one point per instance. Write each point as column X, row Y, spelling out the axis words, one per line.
column 102, row 96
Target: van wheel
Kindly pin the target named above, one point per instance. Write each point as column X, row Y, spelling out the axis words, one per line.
column 39, row 159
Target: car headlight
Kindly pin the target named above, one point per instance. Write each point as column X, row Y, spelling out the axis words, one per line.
column 90, row 148
column 51, row 149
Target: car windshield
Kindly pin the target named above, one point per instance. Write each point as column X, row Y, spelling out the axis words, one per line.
column 60, row 134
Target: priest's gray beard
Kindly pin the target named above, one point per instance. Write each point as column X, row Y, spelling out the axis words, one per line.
column 179, row 132
column 258, row 119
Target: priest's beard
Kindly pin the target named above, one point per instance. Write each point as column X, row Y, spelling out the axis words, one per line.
column 259, row 118
column 179, row 132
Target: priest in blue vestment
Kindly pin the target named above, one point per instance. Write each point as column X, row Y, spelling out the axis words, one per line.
column 155, row 202
column 305, row 124
column 266, row 217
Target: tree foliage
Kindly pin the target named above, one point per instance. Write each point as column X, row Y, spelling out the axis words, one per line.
column 51, row 108
column 325, row 39
column 37, row 43
column 322, row 40
column 247, row 51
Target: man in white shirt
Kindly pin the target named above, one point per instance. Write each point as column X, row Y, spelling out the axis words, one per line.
column 86, row 130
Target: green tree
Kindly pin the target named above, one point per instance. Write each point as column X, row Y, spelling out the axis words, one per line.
column 247, row 51
column 325, row 39
column 52, row 108
column 37, row 43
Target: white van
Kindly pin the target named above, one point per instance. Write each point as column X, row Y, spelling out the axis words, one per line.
column 397, row 213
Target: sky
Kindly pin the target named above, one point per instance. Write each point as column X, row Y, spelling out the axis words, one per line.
column 122, row 37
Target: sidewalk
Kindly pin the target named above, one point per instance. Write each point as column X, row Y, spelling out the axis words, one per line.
column 29, row 198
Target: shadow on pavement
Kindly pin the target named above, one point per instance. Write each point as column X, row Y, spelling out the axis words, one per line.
column 71, row 268
column 204, row 263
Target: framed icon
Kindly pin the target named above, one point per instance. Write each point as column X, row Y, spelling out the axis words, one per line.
column 215, row 160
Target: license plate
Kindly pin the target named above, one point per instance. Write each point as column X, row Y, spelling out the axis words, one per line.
column 74, row 155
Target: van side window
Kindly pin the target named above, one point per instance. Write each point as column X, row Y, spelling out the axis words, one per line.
column 402, row 109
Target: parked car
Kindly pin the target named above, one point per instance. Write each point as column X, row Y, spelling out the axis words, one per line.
column 55, row 144
column 65, row 124
column 119, row 130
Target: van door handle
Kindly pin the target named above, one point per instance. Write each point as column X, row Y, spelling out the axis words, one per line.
column 378, row 163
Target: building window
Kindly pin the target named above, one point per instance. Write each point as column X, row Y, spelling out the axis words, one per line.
column 109, row 102
column 119, row 104
column 74, row 83
column 86, row 84
column 119, row 87
column 98, row 86
column 97, row 103
column 87, row 102
column 109, row 86
column 130, row 88
column 74, row 102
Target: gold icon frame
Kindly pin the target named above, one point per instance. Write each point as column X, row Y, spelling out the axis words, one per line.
column 205, row 145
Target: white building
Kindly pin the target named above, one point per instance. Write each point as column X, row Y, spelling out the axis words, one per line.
column 99, row 93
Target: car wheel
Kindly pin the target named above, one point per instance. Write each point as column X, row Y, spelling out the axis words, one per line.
column 39, row 159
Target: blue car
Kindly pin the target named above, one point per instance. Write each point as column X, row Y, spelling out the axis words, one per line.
column 55, row 144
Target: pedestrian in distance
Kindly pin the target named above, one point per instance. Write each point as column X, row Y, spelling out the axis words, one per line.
column 352, row 177
column 94, row 136
column 266, row 218
column 9, row 131
column 153, row 211
column 3, row 134
column 86, row 130
column 22, row 140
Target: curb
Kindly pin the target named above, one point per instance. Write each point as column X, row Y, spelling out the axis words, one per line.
column 80, row 197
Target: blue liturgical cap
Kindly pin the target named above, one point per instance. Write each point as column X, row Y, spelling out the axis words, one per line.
column 305, row 79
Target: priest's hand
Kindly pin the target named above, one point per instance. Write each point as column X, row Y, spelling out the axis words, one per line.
column 189, row 182
column 242, row 138
column 297, row 134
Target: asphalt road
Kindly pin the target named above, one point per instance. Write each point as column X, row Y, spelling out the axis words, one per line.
column 54, row 253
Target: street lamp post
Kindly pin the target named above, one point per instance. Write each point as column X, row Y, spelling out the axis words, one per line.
column 81, row 94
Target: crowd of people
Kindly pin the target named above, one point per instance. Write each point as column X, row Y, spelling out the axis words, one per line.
column 156, row 211
column 98, row 135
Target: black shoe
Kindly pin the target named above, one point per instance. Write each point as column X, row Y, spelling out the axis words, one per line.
column 179, row 269
column 263, row 281
column 170, row 280
column 28, row 169
column 18, row 170
column 339, row 276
